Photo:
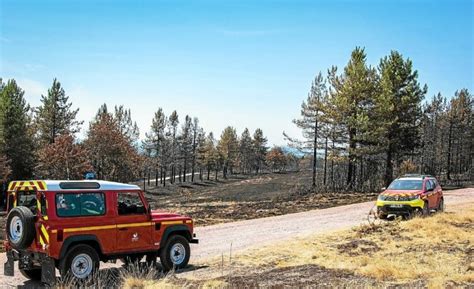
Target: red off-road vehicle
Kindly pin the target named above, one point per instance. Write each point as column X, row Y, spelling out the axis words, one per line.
column 73, row 225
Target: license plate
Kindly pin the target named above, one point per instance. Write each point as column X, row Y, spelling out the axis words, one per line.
column 396, row 206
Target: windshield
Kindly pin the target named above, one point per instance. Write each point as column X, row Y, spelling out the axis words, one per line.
column 406, row 185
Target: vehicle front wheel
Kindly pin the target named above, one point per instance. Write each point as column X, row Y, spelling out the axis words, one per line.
column 426, row 211
column 32, row 274
column 175, row 254
column 81, row 262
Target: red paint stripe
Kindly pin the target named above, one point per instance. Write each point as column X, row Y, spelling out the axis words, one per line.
column 21, row 184
column 40, row 185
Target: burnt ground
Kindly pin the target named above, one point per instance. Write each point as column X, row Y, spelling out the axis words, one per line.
column 247, row 197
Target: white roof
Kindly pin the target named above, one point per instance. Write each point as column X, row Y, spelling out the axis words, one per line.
column 54, row 185
column 411, row 178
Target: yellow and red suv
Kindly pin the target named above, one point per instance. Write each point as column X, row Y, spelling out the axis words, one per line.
column 409, row 195
column 73, row 225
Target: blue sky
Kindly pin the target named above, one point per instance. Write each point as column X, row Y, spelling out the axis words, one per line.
column 240, row 63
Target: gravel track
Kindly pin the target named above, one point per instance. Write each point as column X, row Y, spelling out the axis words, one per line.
column 218, row 239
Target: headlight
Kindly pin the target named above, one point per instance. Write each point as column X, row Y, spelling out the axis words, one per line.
column 381, row 198
column 414, row 197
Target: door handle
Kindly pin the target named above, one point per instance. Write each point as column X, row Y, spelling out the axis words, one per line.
column 123, row 229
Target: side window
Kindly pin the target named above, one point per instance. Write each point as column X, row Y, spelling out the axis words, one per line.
column 80, row 204
column 129, row 204
column 27, row 199
column 429, row 185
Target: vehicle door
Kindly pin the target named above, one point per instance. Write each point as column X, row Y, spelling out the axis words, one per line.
column 134, row 227
column 430, row 193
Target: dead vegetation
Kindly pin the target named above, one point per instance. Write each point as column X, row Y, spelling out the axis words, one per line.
column 248, row 197
column 437, row 251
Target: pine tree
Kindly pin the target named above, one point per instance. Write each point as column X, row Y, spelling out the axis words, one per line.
column 5, row 170
column 276, row 159
column 173, row 122
column 110, row 152
column 245, row 155
column 198, row 134
column 311, row 111
column 259, row 144
column 209, row 155
column 156, row 144
column 63, row 159
column 55, row 116
column 16, row 138
column 127, row 126
column 399, row 109
column 228, row 148
column 186, row 143
column 353, row 99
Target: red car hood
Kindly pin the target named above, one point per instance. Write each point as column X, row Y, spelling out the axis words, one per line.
column 166, row 216
column 402, row 192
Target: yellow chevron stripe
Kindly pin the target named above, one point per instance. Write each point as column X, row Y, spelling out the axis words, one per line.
column 41, row 241
column 45, row 233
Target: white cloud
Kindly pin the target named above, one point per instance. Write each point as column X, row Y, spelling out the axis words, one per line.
column 33, row 90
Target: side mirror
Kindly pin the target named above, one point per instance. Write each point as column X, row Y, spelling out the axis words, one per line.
column 384, row 188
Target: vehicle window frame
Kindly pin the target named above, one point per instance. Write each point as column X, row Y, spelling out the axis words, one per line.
column 80, row 216
column 44, row 205
column 131, row 214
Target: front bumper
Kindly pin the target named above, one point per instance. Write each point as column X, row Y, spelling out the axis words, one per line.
column 399, row 207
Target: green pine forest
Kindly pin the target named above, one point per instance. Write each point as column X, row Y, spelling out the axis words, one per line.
column 362, row 125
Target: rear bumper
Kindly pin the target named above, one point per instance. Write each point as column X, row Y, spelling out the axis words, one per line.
column 28, row 260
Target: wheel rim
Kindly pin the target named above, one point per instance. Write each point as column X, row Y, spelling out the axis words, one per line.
column 177, row 253
column 81, row 266
column 16, row 229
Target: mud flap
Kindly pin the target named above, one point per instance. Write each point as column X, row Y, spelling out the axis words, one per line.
column 9, row 266
column 48, row 271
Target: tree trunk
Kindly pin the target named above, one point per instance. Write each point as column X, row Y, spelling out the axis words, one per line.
column 325, row 160
column 164, row 177
column 350, row 167
column 315, row 151
column 448, row 169
column 388, row 167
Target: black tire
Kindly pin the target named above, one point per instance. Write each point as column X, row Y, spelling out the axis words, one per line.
column 66, row 263
column 32, row 274
column 25, row 229
column 166, row 254
column 440, row 206
column 425, row 211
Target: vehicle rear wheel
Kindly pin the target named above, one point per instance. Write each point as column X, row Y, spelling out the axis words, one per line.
column 20, row 227
column 81, row 262
column 32, row 274
column 175, row 254
column 440, row 206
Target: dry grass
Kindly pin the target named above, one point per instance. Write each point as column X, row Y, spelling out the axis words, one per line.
column 438, row 249
column 436, row 252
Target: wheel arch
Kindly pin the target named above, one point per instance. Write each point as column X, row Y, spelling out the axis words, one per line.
column 71, row 241
column 181, row 230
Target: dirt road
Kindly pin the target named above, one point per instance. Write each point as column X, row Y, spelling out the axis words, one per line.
column 218, row 239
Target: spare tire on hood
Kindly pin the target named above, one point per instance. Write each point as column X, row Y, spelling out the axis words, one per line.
column 20, row 227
